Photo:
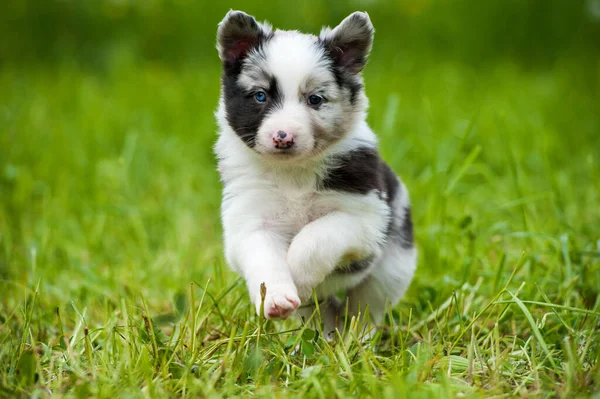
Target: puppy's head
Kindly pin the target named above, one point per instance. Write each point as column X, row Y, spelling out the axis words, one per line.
column 290, row 95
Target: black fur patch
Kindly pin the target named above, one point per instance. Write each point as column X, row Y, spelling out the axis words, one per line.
column 390, row 182
column 401, row 229
column 243, row 112
column 406, row 231
column 355, row 267
column 359, row 172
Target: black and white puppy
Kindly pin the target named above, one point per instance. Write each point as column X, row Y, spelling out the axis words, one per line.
column 307, row 201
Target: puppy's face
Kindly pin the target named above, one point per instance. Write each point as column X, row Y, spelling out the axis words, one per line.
column 289, row 95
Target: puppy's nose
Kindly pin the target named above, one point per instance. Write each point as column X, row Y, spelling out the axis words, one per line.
column 282, row 140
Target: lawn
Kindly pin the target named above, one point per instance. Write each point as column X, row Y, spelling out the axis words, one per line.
column 113, row 282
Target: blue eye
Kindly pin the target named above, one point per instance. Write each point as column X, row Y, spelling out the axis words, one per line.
column 260, row 96
column 315, row 100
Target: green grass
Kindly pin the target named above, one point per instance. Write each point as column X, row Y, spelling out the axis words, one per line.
column 112, row 278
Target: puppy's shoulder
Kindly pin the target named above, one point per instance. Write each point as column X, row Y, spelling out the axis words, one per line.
column 360, row 171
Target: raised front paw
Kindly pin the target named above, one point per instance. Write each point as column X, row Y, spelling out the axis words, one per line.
column 280, row 301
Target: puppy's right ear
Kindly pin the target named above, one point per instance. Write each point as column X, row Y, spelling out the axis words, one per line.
column 237, row 34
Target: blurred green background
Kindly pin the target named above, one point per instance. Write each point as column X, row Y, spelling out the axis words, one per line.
column 175, row 32
column 489, row 110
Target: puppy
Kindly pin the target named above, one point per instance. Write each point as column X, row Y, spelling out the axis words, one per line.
column 307, row 204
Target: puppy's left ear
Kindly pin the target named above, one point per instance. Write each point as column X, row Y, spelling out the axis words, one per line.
column 350, row 42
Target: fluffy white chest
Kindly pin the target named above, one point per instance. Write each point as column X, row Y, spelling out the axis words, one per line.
column 280, row 205
column 293, row 208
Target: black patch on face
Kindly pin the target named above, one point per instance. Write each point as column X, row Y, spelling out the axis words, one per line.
column 354, row 267
column 243, row 112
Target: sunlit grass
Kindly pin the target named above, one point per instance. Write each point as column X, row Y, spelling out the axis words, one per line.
column 113, row 282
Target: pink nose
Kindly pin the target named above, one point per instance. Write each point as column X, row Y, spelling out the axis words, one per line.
column 282, row 140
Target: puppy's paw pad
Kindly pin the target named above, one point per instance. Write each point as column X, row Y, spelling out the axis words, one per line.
column 280, row 305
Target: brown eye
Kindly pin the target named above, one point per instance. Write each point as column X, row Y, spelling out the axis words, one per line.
column 315, row 100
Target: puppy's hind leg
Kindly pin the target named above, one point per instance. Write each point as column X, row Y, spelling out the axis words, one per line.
column 328, row 316
column 386, row 284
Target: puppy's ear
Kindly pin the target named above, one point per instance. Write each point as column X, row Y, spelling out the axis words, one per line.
column 237, row 34
column 350, row 42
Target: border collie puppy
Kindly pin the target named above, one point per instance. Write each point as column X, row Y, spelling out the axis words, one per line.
column 308, row 204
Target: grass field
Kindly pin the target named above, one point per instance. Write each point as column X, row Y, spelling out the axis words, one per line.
column 113, row 282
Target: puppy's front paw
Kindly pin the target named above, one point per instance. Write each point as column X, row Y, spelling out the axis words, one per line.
column 305, row 271
column 280, row 302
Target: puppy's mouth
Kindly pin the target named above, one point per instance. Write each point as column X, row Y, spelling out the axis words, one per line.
column 279, row 153
column 291, row 154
